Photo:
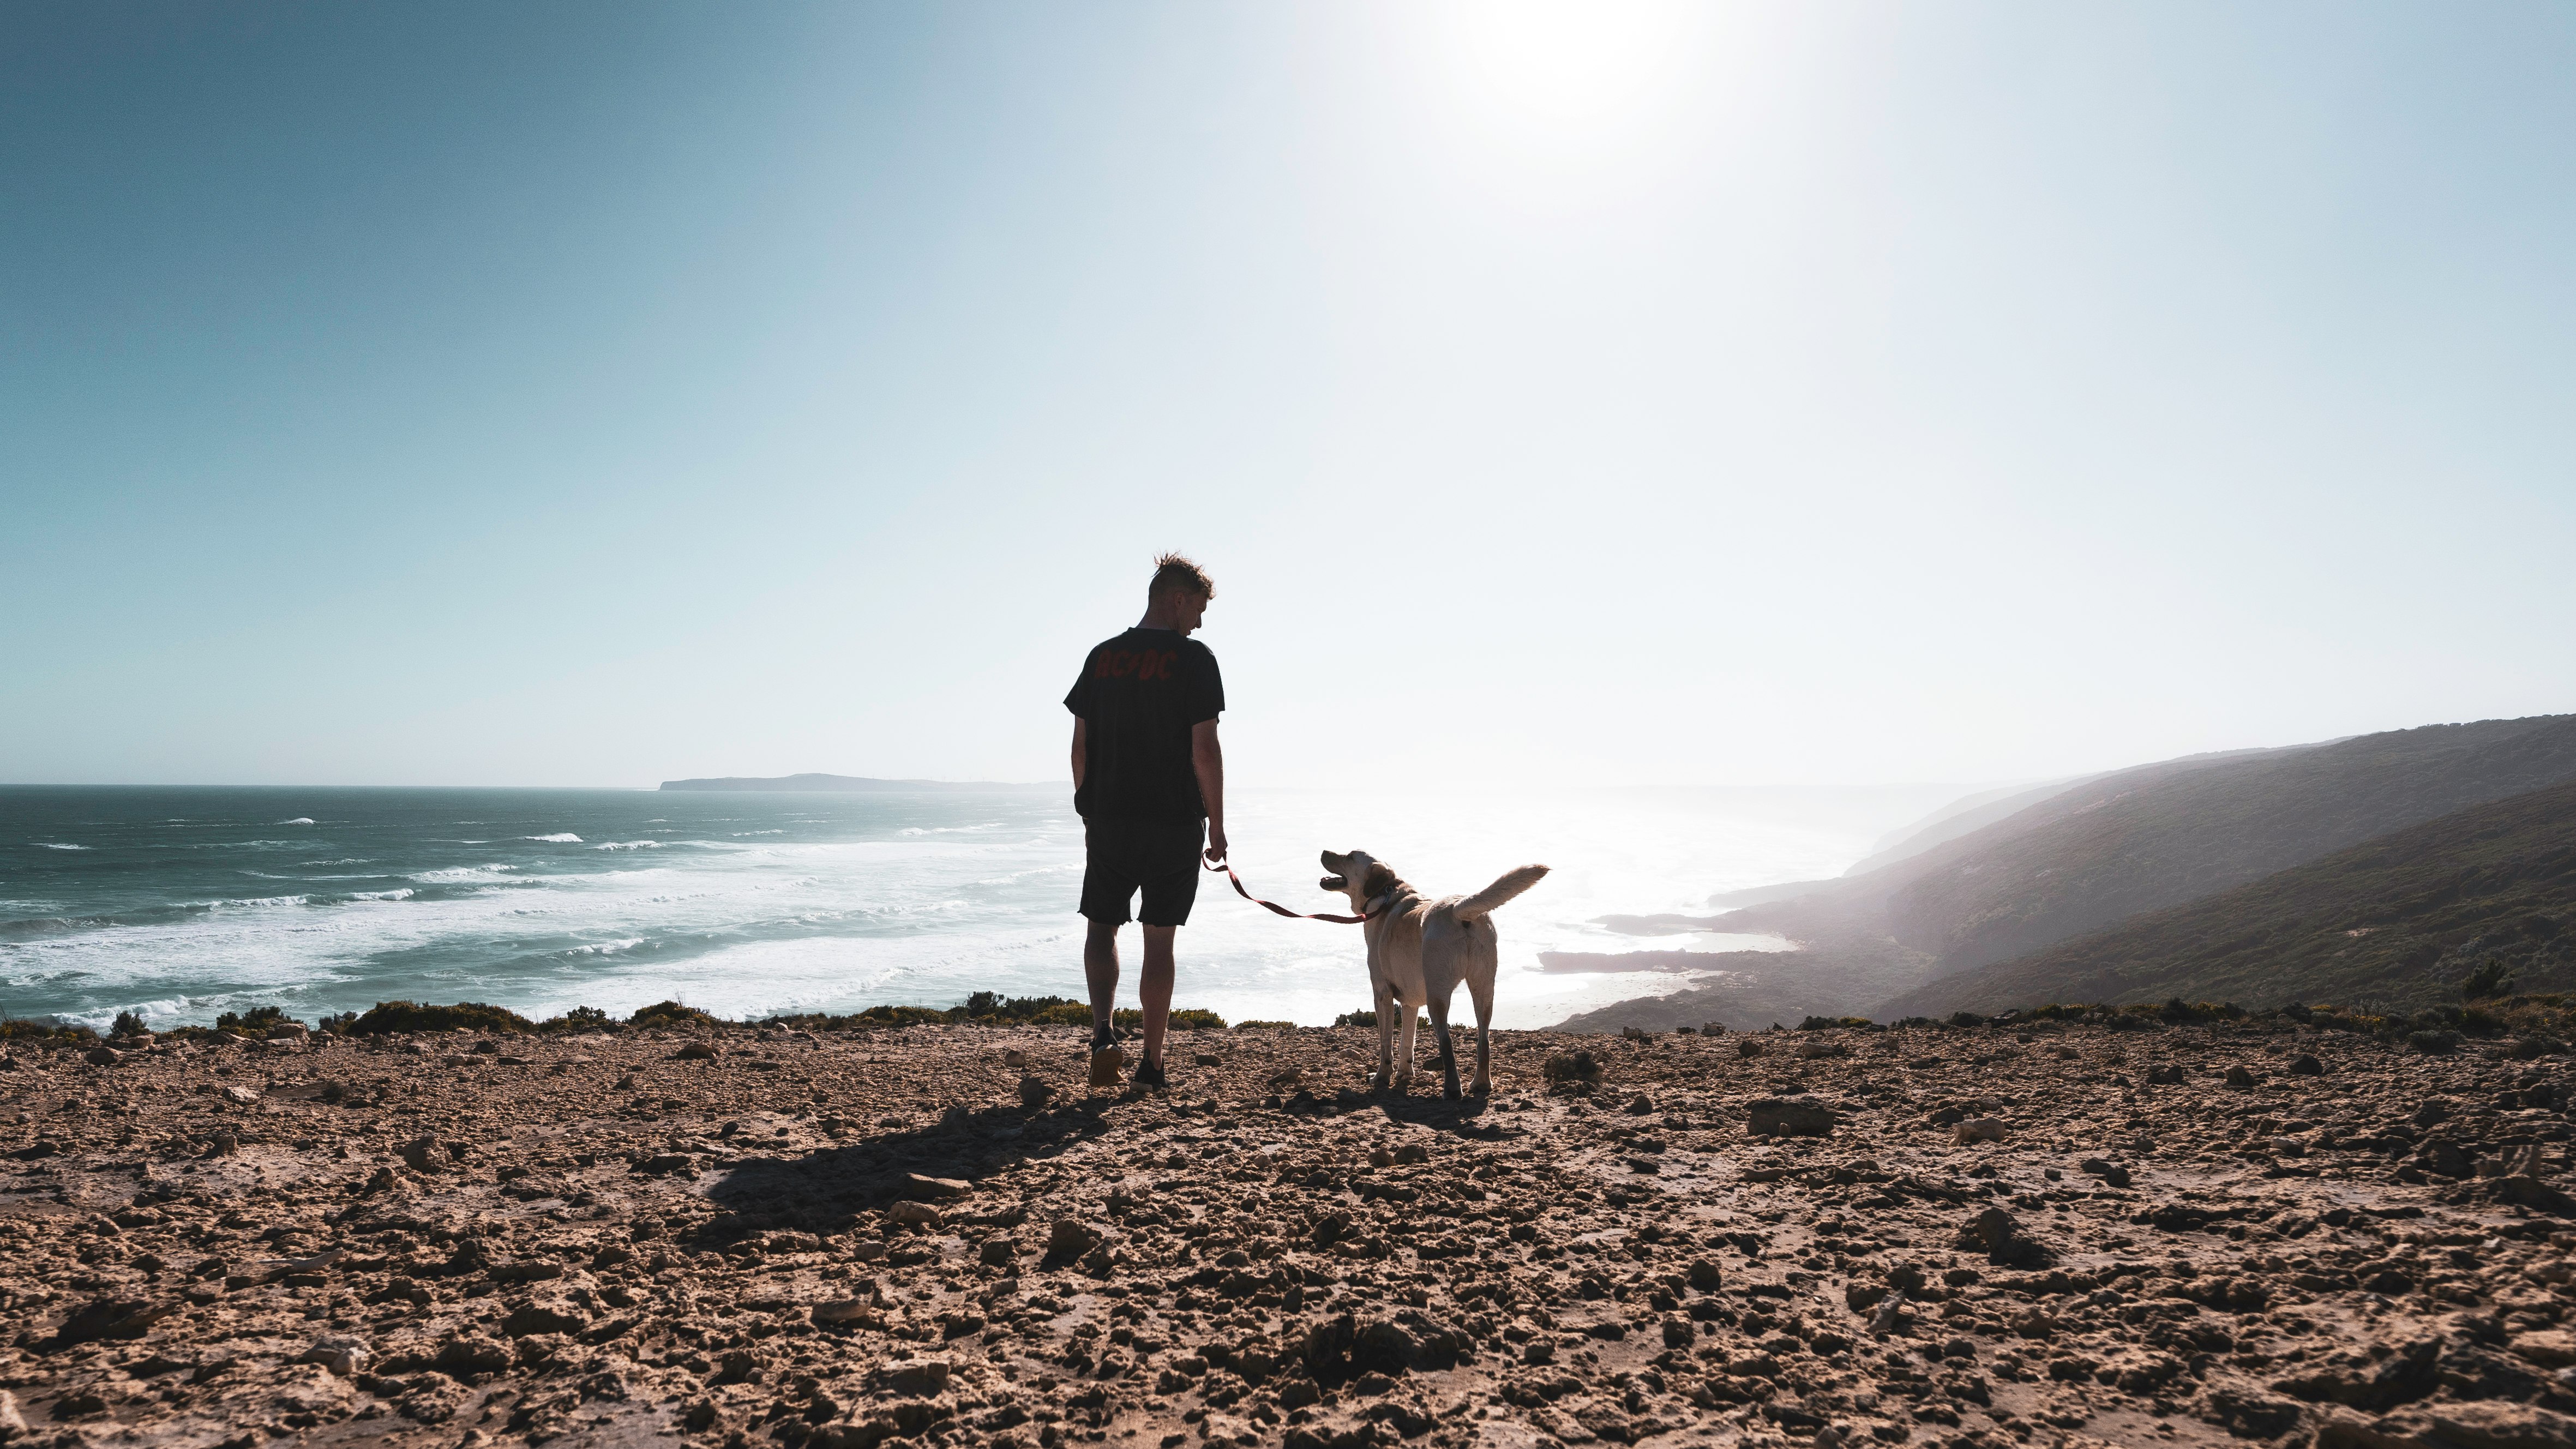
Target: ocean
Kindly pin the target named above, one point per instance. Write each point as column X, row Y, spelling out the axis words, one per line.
column 182, row 903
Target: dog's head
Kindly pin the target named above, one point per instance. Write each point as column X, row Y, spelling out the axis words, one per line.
column 1358, row 874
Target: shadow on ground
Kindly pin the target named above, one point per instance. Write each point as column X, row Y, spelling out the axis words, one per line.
column 831, row 1190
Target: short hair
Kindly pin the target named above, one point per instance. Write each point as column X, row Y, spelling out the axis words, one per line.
column 1176, row 572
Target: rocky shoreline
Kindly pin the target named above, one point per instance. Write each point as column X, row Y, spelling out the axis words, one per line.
column 740, row 1235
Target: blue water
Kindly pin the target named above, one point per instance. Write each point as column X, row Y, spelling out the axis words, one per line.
column 182, row 903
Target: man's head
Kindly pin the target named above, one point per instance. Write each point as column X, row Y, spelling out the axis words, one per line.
column 1179, row 594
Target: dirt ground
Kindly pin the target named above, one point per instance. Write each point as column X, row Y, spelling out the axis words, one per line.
column 1979, row 1237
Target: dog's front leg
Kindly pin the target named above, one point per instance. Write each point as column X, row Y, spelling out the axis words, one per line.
column 1448, row 1054
column 1385, row 1040
column 1404, row 1050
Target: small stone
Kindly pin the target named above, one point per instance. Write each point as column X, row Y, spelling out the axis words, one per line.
column 2304, row 1065
column 919, row 1186
column 1978, row 1129
column 2238, row 1077
column 1068, row 1238
column 2548, row 1347
column 919, row 1378
column 1015, row 1058
column 914, row 1214
column 1775, row 1116
column 2004, row 1242
column 239, row 1096
column 1035, row 1091
column 102, row 1056
column 344, row 1357
column 841, row 1310
column 696, row 1051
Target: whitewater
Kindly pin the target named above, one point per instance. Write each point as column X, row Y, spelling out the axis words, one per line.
column 181, row 904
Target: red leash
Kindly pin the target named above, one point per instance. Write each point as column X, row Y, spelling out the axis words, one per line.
column 1274, row 905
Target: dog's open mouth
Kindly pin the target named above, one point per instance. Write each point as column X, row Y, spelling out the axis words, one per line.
column 1334, row 883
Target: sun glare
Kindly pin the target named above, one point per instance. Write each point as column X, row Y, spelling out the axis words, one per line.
column 1575, row 65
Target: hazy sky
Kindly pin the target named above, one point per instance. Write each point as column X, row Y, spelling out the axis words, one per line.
column 596, row 393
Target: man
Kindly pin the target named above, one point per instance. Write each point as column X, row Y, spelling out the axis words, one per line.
column 1147, row 779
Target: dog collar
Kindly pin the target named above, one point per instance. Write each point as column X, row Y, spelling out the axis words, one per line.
column 1375, row 904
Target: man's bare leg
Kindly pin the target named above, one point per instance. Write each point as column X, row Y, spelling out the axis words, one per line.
column 1155, row 986
column 1100, row 973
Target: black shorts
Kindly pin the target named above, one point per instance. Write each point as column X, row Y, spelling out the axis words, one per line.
column 1158, row 857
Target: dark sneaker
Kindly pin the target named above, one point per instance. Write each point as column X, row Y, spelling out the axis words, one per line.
column 1151, row 1075
column 1106, row 1064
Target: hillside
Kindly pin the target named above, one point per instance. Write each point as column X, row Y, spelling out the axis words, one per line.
column 2397, row 922
column 2160, row 835
column 2137, row 840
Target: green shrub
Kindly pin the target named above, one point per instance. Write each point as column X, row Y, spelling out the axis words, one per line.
column 128, row 1024
column 24, row 1028
column 388, row 1017
column 1265, row 1026
column 2492, row 978
column 994, row 1007
column 1369, row 1018
column 255, row 1021
column 1071, row 1013
column 901, row 1016
column 1184, row 1019
column 580, row 1018
column 670, row 1014
column 337, row 1023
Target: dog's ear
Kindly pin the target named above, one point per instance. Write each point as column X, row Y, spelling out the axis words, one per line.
column 1377, row 882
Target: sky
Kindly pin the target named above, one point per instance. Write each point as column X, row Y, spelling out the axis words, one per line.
column 594, row 394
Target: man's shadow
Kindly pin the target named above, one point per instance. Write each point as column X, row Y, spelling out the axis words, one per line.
column 830, row 1189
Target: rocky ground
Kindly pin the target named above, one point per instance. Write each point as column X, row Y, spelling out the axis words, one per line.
column 749, row 1235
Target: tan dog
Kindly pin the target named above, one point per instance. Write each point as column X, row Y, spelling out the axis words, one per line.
column 1418, row 952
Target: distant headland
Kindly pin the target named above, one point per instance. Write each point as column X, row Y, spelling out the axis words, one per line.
column 840, row 783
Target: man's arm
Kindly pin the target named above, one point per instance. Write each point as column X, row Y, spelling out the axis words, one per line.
column 1079, row 753
column 1208, row 758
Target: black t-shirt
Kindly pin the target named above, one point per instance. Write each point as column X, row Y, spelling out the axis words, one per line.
column 1138, row 695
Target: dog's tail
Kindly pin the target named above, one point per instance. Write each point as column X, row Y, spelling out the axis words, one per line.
column 1513, row 882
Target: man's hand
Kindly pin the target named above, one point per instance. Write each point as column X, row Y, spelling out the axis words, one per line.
column 1216, row 843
